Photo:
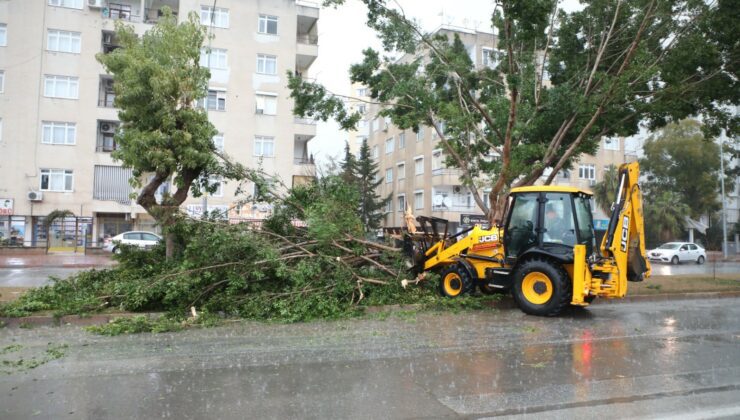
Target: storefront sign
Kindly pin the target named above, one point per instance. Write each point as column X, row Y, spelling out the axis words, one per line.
column 6, row 206
column 468, row 220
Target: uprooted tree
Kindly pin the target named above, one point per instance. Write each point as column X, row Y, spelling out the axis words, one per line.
column 164, row 137
column 563, row 81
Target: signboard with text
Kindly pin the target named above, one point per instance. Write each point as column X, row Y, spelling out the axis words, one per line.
column 6, row 206
column 468, row 220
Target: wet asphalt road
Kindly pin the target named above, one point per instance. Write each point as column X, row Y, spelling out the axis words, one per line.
column 34, row 277
column 625, row 360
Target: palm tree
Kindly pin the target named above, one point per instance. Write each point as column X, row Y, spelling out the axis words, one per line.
column 665, row 216
column 605, row 191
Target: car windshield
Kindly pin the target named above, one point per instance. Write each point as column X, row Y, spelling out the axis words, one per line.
column 669, row 246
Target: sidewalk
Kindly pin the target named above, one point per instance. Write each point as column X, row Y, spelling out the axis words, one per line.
column 56, row 260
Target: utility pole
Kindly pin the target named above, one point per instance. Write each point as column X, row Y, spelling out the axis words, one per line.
column 724, row 202
column 204, row 205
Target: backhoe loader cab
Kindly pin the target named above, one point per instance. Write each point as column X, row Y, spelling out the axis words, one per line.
column 544, row 253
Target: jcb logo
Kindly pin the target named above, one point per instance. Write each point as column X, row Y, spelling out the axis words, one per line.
column 625, row 232
column 488, row 238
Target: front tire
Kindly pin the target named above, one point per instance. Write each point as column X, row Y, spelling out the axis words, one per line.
column 455, row 281
column 674, row 260
column 541, row 287
column 700, row 260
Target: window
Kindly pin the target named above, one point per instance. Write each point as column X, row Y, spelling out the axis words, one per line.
column 402, row 140
column 420, row 134
column 389, row 175
column 61, row 87
column 109, row 41
column 376, row 125
column 490, row 58
column 565, row 174
column 587, row 172
column 362, row 108
column 219, row 183
column 264, row 146
column 611, row 143
column 389, row 206
column 390, row 144
column 2, row 81
column 362, row 92
column 56, row 180
column 216, row 100
column 401, row 170
column 106, row 93
column 375, row 152
column 218, row 57
column 72, row 4
column 218, row 142
column 267, row 25
column 3, row 35
column 419, row 165
column 106, row 136
column 266, row 64
column 418, row 200
column 266, row 103
column 217, row 17
column 58, row 132
column 401, row 199
column 63, row 41
column 437, row 160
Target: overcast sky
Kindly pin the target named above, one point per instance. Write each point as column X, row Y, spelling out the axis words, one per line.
column 343, row 35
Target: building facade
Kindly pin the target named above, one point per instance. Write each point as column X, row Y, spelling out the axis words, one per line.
column 58, row 120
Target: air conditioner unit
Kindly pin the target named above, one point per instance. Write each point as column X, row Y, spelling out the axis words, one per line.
column 457, row 189
column 35, row 196
column 95, row 4
column 107, row 128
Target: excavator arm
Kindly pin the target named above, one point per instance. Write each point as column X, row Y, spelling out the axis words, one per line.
column 622, row 252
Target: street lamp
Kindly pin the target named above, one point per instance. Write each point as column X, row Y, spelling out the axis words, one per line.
column 724, row 205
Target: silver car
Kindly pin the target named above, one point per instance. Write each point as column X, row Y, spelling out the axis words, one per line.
column 140, row 239
column 678, row 252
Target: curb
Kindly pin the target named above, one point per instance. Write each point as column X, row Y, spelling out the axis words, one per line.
column 506, row 303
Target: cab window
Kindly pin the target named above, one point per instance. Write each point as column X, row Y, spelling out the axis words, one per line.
column 520, row 231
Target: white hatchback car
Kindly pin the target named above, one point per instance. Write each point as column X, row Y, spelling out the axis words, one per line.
column 678, row 252
column 141, row 239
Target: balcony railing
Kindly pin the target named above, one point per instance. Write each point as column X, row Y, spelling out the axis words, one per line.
column 309, row 121
column 461, row 208
column 303, row 161
column 308, row 39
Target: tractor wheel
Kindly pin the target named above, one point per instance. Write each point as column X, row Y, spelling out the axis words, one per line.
column 455, row 281
column 589, row 299
column 541, row 287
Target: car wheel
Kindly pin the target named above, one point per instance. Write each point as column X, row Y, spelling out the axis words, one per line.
column 116, row 250
column 700, row 260
column 674, row 260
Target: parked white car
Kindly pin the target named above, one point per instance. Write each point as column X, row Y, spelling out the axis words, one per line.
column 141, row 239
column 678, row 252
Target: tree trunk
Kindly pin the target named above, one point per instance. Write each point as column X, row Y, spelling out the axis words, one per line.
column 169, row 242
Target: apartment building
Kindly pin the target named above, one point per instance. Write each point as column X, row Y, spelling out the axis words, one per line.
column 412, row 164
column 58, row 121
column 359, row 101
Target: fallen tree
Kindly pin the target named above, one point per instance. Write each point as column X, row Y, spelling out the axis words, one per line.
column 309, row 260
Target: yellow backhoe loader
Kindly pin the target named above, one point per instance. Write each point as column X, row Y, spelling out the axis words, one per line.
column 544, row 253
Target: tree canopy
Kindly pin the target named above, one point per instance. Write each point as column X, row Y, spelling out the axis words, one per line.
column 164, row 136
column 680, row 160
column 561, row 80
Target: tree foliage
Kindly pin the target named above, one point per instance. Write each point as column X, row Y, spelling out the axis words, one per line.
column 680, row 160
column 163, row 136
column 605, row 191
column 611, row 66
column 665, row 217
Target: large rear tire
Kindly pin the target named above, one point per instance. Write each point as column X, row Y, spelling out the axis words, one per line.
column 541, row 287
column 455, row 281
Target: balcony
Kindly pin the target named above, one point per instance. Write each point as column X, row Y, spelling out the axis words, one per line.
column 153, row 9
column 446, row 176
column 307, row 36
column 129, row 11
column 106, row 94
column 305, row 127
